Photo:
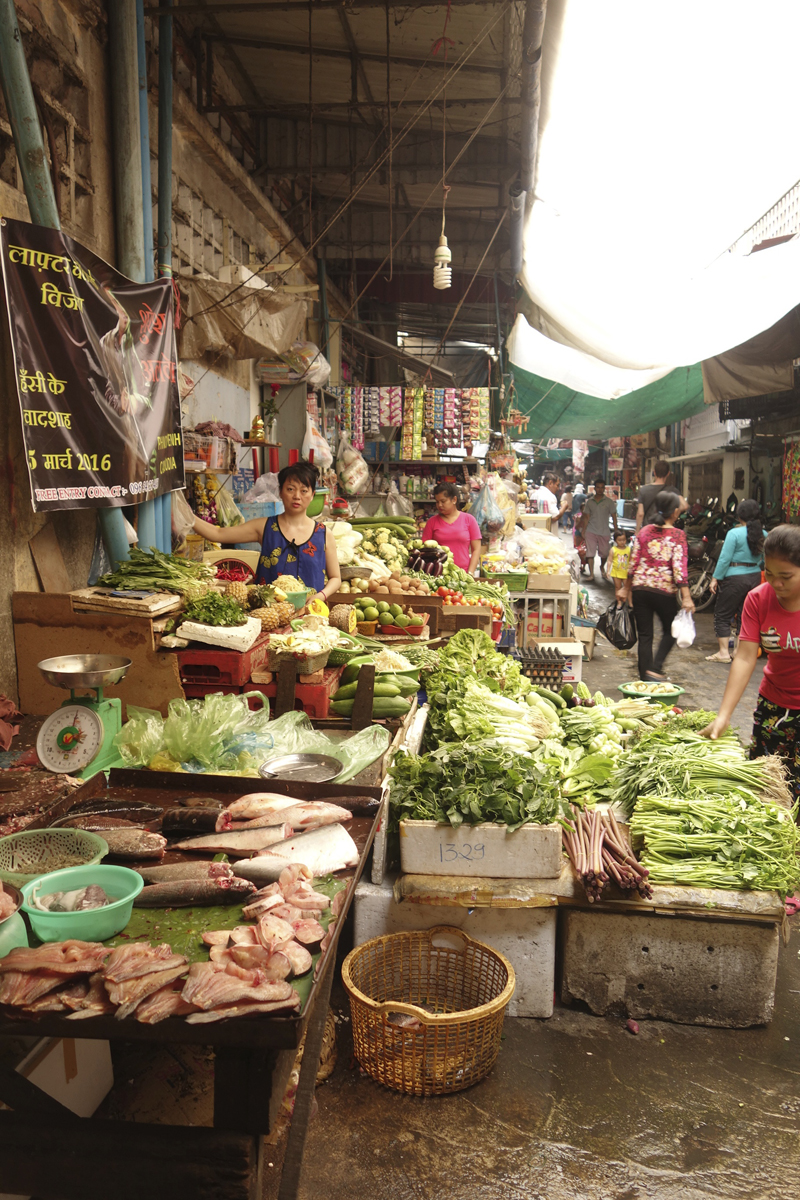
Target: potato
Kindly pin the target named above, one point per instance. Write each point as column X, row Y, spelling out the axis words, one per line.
column 381, row 590
column 395, row 575
column 394, row 587
column 373, row 585
column 405, row 580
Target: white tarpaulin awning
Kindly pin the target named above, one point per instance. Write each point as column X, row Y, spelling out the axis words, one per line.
column 664, row 135
column 236, row 321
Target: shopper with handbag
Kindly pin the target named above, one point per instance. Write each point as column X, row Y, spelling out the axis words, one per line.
column 656, row 574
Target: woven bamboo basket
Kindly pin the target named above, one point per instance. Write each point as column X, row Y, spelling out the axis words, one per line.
column 427, row 1009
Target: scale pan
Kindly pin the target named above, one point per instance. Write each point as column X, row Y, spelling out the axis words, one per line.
column 84, row 670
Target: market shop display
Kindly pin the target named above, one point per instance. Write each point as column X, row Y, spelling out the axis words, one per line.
column 154, row 571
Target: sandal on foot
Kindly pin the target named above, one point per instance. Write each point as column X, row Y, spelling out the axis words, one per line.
column 718, row 658
column 654, row 677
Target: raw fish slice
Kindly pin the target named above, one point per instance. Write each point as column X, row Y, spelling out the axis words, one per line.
column 217, row 937
column 322, row 851
column 258, row 803
column 95, row 1003
column 309, row 900
column 209, row 985
column 275, row 966
column 247, row 841
column 140, row 958
column 167, row 1002
column 57, row 1001
column 127, row 995
column 288, row 912
column 337, row 904
column 68, row 957
column 326, row 941
column 308, row 933
column 298, row 956
column 190, row 870
column 273, row 932
column 20, row 988
column 185, row 893
column 244, row 935
column 222, row 954
column 292, row 876
column 243, row 1009
column 272, row 889
column 72, row 996
column 260, row 908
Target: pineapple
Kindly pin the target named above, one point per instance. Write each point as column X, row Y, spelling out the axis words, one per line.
column 286, row 611
column 273, row 616
column 237, row 592
column 260, row 595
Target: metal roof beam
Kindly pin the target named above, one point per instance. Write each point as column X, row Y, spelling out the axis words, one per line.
column 296, row 6
column 288, row 109
column 402, row 60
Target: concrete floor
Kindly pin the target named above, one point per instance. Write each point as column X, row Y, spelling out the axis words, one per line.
column 577, row 1108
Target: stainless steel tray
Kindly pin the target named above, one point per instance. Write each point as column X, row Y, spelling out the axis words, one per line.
column 314, row 768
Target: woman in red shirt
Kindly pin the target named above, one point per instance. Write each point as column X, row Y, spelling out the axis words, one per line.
column 458, row 531
column 771, row 620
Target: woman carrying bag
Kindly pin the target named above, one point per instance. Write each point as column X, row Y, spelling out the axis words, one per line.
column 657, row 572
column 737, row 572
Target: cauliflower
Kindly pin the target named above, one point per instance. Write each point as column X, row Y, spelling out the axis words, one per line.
column 386, row 552
column 382, row 538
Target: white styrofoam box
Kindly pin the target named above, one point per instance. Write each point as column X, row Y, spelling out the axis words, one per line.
column 486, row 851
column 526, row 936
column 572, row 649
column 75, row 1071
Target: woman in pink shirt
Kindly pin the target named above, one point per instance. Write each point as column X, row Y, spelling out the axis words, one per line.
column 771, row 621
column 456, row 530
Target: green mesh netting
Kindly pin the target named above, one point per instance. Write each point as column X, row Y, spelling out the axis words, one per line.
column 556, row 411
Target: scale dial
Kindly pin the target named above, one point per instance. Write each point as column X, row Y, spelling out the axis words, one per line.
column 70, row 739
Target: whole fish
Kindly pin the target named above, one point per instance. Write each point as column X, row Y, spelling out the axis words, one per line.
column 193, row 870
column 246, row 841
column 305, row 814
column 189, row 820
column 95, row 823
column 132, row 810
column 199, row 802
column 183, row 893
column 323, row 851
column 134, row 843
column 255, row 804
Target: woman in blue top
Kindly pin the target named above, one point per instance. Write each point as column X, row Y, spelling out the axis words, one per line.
column 737, row 572
column 292, row 543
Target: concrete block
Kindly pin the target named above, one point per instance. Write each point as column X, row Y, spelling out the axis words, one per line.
column 694, row 971
column 485, row 851
column 526, row 936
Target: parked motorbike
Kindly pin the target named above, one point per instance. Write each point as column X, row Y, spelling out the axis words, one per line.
column 702, row 560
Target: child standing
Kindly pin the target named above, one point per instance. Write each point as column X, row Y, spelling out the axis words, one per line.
column 620, row 557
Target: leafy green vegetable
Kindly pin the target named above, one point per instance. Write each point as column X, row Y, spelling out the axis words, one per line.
column 153, row 571
column 214, row 609
column 457, row 785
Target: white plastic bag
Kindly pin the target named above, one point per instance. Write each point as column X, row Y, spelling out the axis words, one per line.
column 316, row 442
column 351, row 468
column 683, row 629
column 397, row 505
column 307, row 362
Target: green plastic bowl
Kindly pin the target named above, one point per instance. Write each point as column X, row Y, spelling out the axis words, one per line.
column 34, row 852
column 631, row 691
column 318, row 503
column 94, row 925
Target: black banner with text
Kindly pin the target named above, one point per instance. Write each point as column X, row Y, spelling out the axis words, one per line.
column 96, row 370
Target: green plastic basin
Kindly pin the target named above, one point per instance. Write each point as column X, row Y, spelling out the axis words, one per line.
column 94, row 925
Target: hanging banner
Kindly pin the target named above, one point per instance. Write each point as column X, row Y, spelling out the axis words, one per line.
column 96, row 370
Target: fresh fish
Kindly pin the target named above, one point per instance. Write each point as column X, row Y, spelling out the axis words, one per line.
column 216, row 937
column 96, row 823
column 273, row 933
column 166, row 1002
column 189, row 820
column 256, row 804
column 258, row 908
column 244, row 935
column 298, row 956
column 94, row 1002
column 79, row 900
column 337, row 903
column 134, row 843
column 184, row 893
column 302, row 814
column 308, row 933
column 70, row 957
column 245, row 1008
column 309, row 900
column 199, row 802
column 135, row 959
column 287, row 912
column 292, row 876
column 132, row 810
column 246, row 842
column 168, row 872
column 212, row 984
column 21, row 988
column 323, row 851
column 130, row 993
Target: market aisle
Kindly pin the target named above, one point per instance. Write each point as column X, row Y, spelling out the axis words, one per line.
column 577, row 1108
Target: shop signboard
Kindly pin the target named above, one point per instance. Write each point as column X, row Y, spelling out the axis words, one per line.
column 96, row 370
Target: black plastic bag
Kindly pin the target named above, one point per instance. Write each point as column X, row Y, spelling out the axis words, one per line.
column 618, row 624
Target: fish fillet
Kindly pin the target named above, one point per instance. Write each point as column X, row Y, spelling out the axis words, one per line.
column 243, row 1009
column 212, row 984
column 273, row 933
column 94, row 1003
column 308, row 933
column 288, row 912
column 258, row 908
column 130, row 993
column 243, row 841
column 138, row 959
column 166, row 1002
column 20, row 988
column 323, row 851
column 70, row 957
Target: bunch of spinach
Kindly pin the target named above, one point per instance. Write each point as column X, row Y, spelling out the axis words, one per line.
column 455, row 784
column 214, row 609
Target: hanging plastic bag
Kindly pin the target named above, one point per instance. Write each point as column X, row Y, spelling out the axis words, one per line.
column 351, row 468
column 314, row 441
column 683, row 629
column 182, row 519
column 618, row 624
column 397, row 505
column 307, row 362
column 487, row 512
column 227, row 512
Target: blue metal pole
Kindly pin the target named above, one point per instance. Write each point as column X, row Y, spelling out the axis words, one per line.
column 165, row 191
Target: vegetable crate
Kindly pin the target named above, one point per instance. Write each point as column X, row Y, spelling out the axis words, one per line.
column 515, row 581
column 543, row 666
column 313, row 698
column 196, row 691
column 227, row 667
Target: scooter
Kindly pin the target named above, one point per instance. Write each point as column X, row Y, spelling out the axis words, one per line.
column 701, row 572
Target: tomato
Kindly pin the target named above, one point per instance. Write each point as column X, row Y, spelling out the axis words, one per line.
column 442, row 591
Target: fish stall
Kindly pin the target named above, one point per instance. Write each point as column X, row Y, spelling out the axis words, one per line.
column 226, row 897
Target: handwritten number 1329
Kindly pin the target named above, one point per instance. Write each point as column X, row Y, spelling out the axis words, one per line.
column 449, row 852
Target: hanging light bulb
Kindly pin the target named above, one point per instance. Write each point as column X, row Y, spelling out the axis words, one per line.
column 442, row 273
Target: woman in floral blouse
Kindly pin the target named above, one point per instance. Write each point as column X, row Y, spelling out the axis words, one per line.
column 656, row 572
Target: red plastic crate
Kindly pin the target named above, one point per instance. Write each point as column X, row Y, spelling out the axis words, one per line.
column 313, row 698
column 196, row 691
column 221, row 668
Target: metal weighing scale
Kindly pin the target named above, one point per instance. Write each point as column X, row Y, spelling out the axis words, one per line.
column 78, row 738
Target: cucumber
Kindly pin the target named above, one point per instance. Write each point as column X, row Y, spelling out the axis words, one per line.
column 567, row 691
column 553, row 697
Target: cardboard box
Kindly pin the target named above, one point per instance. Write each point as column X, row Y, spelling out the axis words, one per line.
column 552, row 623
column 588, row 635
column 483, row 851
column 536, row 521
column 549, row 583
column 572, row 650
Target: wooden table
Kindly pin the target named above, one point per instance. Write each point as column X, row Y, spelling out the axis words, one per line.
column 46, row 1151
